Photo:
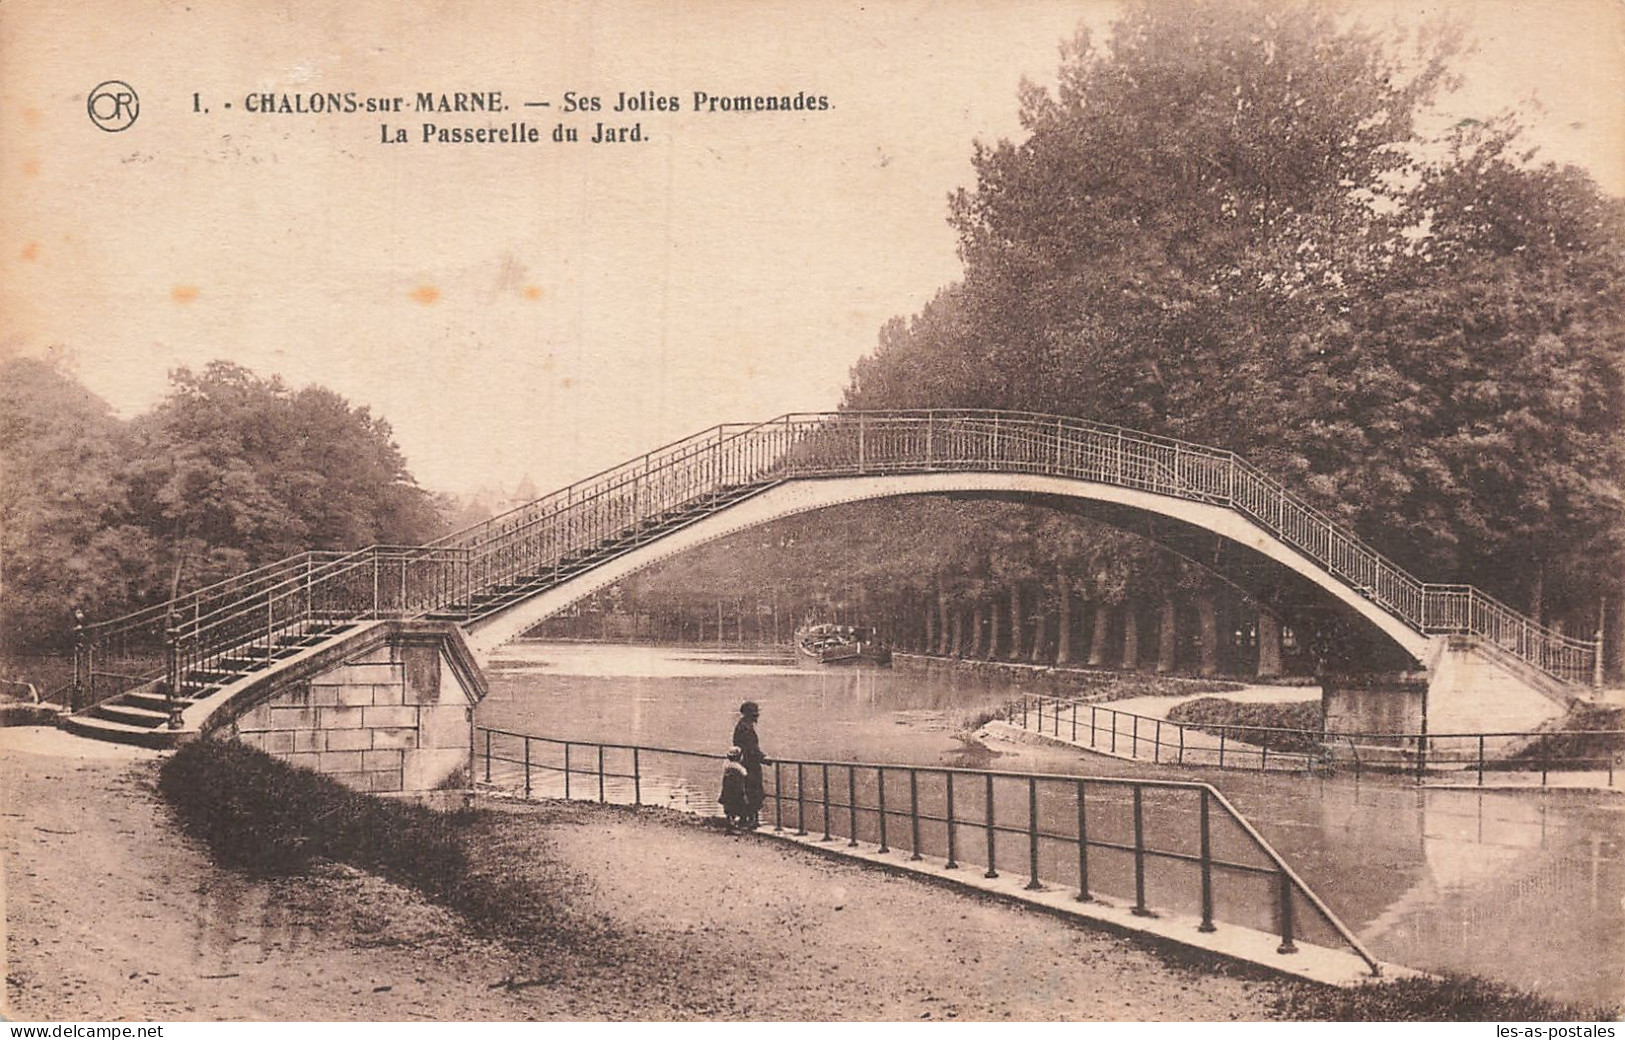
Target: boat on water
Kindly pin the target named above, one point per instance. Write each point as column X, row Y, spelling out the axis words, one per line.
column 842, row 644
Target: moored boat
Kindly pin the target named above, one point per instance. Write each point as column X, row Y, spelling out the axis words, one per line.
column 842, row 644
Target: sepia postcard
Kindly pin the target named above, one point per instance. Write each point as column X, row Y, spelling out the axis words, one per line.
column 1056, row 511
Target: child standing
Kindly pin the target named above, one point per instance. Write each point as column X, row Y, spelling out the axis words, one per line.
column 734, row 798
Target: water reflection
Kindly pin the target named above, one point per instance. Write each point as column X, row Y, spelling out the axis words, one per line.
column 1524, row 887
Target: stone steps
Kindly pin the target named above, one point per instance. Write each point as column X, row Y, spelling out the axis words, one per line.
column 141, row 716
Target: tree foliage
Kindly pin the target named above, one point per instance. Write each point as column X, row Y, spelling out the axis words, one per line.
column 228, row 472
column 1224, row 225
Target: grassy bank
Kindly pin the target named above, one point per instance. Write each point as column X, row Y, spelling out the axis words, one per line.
column 260, row 815
column 1293, row 726
column 1448, row 999
column 1574, row 749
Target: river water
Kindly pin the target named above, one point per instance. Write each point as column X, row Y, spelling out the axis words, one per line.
column 1524, row 887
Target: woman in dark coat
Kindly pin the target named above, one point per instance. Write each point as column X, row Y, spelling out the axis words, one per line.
column 751, row 756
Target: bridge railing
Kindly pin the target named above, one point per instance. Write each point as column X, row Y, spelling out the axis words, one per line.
column 119, row 654
column 683, row 480
column 1157, row 846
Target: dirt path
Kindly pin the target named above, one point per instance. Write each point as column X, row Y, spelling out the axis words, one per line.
column 110, row 914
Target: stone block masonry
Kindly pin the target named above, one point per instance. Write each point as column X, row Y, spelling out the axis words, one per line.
column 389, row 711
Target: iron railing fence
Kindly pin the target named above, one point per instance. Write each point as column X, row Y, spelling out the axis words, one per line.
column 1160, row 741
column 116, row 655
column 545, row 541
column 1155, row 846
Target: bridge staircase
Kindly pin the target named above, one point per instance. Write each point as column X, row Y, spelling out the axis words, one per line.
column 507, row 593
column 137, row 675
column 141, row 716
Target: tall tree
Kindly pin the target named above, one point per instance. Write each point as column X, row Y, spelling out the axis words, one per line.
column 66, row 538
column 235, row 471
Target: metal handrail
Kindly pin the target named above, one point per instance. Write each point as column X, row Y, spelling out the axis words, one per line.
column 844, row 819
column 687, row 476
column 1424, row 750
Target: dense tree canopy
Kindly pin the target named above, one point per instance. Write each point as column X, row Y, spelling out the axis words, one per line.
column 1224, row 225
column 228, row 472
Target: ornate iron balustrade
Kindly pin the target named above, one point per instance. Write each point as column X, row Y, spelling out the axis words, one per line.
column 1152, row 844
column 592, row 520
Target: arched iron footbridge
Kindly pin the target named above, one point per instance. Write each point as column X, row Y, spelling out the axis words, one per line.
column 498, row 578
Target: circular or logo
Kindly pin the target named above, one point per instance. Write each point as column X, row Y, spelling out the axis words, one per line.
column 113, row 106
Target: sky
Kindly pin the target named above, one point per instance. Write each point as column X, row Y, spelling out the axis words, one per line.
column 549, row 310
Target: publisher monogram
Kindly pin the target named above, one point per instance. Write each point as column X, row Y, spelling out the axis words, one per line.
column 113, row 106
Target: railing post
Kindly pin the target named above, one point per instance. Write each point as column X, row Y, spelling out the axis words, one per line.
column 1481, row 760
column 527, row 767
column 880, row 795
column 778, row 793
column 949, row 777
column 172, row 674
column 1135, row 732
column 1596, row 644
column 1182, row 743
column 930, row 427
column 600, row 774
column 1222, row 732
column 637, row 780
column 852, row 805
column 801, row 801
column 1207, row 870
column 914, row 812
column 80, row 657
column 1156, row 744
column 1032, row 834
column 1091, row 725
column 1074, row 722
column 1285, row 889
column 567, row 770
column 487, row 756
column 992, row 872
column 1083, row 846
column 1140, row 909
column 861, row 459
column 375, row 612
column 825, row 768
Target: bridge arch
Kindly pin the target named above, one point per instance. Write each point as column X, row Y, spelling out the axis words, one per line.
column 794, row 496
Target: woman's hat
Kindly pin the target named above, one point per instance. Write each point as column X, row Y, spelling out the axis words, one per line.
column 750, row 708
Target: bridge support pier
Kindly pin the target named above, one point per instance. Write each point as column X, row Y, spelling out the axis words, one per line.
column 388, row 709
column 1469, row 686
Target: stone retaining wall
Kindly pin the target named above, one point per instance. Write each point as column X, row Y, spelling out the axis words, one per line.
column 394, row 717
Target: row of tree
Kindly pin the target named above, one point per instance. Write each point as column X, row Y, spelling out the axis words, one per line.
column 228, row 472
column 987, row 580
